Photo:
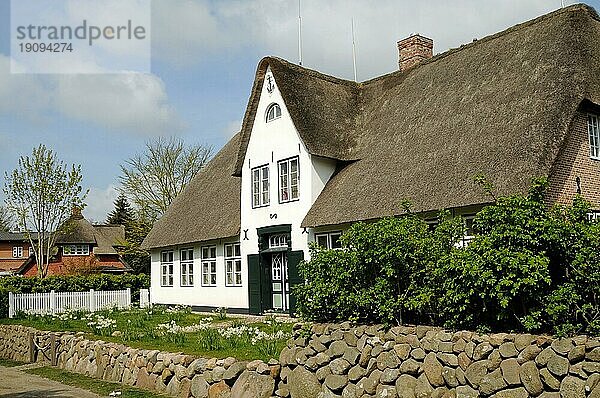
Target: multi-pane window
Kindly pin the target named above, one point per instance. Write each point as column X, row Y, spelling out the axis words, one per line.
column 273, row 112
column 594, row 135
column 260, row 186
column 17, row 251
column 278, row 241
column 186, row 261
column 209, row 266
column 166, row 268
column 233, row 265
column 76, row 250
column 289, row 176
column 330, row 240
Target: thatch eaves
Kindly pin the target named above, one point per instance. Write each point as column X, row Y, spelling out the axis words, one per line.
column 208, row 208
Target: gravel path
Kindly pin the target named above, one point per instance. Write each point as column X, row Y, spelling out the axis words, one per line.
column 17, row 384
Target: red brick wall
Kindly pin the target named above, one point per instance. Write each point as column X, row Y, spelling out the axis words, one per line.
column 574, row 161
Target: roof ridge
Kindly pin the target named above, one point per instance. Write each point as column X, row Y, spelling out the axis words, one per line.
column 579, row 6
column 312, row 72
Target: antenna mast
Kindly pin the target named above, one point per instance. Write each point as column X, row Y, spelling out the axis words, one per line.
column 353, row 51
column 299, row 34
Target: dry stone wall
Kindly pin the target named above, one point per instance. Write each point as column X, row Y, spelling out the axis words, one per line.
column 175, row 374
column 341, row 360
column 408, row 362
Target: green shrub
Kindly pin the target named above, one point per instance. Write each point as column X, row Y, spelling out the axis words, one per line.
column 75, row 283
column 529, row 267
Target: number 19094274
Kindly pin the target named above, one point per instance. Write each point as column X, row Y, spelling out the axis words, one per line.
column 45, row 47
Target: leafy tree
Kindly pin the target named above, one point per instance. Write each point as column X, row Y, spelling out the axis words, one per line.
column 6, row 221
column 40, row 194
column 122, row 214
column 153, row 179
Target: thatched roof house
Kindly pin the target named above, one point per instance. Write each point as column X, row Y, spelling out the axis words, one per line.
column 512, row 106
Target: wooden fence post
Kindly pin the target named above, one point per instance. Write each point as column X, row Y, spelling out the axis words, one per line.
column 31, row 348
column 53, row 358
column 11, row 304
column 92, row 301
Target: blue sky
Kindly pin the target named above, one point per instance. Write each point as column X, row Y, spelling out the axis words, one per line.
column 204, row 55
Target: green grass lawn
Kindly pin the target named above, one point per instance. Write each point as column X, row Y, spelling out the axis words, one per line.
column 99, row 387
column 207, row 336
column 9, row 363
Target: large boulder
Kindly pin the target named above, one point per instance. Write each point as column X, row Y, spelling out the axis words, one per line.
column 253, row 385
column 302, row 383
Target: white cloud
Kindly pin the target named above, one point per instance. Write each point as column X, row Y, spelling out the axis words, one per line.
column 100, row 203
column 232, row 128
column 135, row 102
column 190, row 31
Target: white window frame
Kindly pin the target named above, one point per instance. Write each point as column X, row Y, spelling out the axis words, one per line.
column 593, row 136
column 260, row 186
column 233, row 264
column 275, row 109
column 329, row 236
column 277, row 241
column 466, row 239
column 288, row 179
column 17, row 251
column 593, row 216
column 76, row 250
column 208, row 267
column 166, row 268
column 186, row 266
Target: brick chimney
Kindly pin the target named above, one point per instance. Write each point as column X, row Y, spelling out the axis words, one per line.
column 413, row 50
column 76, row 213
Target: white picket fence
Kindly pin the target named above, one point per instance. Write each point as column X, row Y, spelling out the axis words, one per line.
column 144, row 298
column 56, row 302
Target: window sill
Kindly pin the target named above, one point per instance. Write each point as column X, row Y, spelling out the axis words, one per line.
column 234, row 285
column 262, row 206
column 595, row 158
column 281, row 202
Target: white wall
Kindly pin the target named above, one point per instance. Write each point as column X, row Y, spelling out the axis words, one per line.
column 198, row 295
column 269, row 143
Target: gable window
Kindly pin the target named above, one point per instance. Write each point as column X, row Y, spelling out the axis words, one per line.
column 166, row 268
column 209, row 266
column 594, row 135
column 260, row 186
column 187, row 267
column 17, row 251
column 273, row 112
column 289, row 176
column 233, row 265
column 76, row 250
column 329, row 240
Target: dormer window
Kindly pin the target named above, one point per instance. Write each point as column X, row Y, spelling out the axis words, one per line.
column 594, row 135
column 273, row 112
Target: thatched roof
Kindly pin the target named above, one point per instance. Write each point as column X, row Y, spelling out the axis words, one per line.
column 324, row 109
column 104, row 238
column 208, row 208
column 500, row 106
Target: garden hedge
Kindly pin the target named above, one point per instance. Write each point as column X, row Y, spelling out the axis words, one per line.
column 530, row 267
column 75, row 283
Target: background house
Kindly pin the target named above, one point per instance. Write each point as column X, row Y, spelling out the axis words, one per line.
column 82, row 248
column 317, row 153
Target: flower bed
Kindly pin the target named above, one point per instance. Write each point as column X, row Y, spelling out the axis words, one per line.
column 172, row 329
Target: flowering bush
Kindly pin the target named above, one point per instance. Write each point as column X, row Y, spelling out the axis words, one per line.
column 100, row 325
